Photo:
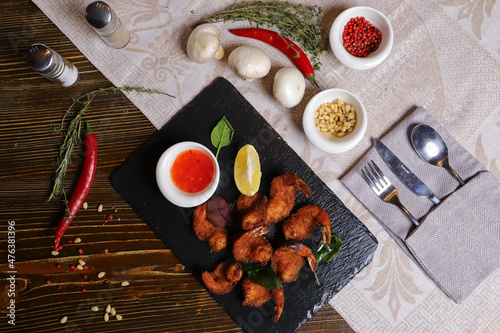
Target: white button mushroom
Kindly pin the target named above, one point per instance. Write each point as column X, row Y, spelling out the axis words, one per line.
column 289, row 86
column 204, row 44
column 249, row 62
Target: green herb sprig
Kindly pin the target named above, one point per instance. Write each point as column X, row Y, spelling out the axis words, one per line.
column 222, row 134
column 72, row 134
column 326, row 252
column 262, row 275
column 298, row 22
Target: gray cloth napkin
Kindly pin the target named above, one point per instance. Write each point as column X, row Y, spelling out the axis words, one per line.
column 458, row 241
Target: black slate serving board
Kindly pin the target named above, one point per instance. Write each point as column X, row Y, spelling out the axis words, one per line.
column 135, row 181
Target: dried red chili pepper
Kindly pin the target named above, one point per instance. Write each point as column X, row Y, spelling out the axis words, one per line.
column 82, row 187
column 285, row 45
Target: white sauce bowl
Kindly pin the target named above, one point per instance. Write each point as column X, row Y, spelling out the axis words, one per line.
column 167, row 186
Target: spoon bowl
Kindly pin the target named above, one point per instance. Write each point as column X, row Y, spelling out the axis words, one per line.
column 431, row 147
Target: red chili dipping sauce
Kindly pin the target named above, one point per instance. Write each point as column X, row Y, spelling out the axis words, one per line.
column 192, row 171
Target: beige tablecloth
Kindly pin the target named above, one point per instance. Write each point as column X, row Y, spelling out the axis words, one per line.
column 446, row 58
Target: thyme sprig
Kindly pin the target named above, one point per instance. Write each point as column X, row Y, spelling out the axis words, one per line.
column 72, row 134
column 298, row 22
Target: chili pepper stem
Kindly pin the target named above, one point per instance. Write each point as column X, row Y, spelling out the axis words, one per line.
column 88, row 130
column 312, row 78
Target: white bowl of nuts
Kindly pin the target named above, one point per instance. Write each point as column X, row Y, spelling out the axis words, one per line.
column 335, row 120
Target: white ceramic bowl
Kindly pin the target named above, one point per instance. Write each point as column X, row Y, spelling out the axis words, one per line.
column 375, row 17
column 330, row 143
column 168, row 188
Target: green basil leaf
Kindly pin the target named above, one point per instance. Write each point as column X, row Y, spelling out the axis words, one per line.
column 262, row 275
column 326, row 252
column 222, row 134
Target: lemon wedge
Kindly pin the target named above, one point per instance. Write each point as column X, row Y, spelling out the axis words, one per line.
column 247, row 170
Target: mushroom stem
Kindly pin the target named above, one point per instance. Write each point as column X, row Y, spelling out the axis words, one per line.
column 220, row 53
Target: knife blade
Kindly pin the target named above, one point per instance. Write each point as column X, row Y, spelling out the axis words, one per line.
column 405, row 175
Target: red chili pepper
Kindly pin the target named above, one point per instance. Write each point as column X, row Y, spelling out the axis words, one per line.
column 285, row 45
column 82, row 187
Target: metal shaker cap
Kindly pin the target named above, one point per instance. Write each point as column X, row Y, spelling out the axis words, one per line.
column 40, row 58
column 99, row 14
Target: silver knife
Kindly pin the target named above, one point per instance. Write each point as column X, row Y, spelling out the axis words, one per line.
column 408, row 178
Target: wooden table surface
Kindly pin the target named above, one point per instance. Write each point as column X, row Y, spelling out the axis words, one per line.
column 161, row 296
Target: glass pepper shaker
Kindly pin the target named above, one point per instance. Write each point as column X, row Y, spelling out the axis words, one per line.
column 107, row 24
column 51, row 65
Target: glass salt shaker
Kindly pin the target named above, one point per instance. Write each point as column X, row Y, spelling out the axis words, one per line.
column 107, row 24
column 51, row 65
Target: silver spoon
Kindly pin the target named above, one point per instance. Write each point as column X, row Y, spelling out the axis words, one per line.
column 431, row 147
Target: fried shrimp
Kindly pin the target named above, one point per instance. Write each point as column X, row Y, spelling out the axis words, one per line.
column 206, row 231
column 279, row 301
column 287, row 261
column 301, row 224
column 252, row 246
column 252, row 210
column 282, row 196
column 256, row 295
column 224, row 277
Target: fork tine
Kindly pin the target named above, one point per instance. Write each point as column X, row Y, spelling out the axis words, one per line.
column 372, row 185
column 380, row 173
column 374, row 176
column 383, row 187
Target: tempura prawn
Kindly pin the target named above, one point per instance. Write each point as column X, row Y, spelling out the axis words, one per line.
column 301, row 224
column 282, row 196
column 252, row 246
column 252, row 210
column 288, row 260
column 279, row 301
column 224, row 277
column 206, row 231
column 256, row 295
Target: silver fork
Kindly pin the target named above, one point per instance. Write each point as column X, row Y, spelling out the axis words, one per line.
column 383, row 187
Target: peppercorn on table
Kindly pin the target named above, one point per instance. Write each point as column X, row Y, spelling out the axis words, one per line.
column 113, row 273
